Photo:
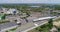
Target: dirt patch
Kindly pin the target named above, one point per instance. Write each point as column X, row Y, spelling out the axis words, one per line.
column 56, row 23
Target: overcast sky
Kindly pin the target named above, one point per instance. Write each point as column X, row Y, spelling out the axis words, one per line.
column 30, row 1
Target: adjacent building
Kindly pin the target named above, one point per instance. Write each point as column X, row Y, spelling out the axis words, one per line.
column 7, row 26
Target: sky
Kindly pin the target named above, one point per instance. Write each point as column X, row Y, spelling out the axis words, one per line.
column 30, row 1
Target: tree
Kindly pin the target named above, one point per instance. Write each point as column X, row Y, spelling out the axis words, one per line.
column 6, row 31
column 3, row 17
column 50, row 23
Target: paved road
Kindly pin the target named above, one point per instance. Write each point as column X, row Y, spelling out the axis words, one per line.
column 30, row 25
column 26, row 28
column 34, row 26
column 39, row 23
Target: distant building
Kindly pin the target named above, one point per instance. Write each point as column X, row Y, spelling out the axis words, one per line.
column 35, row 6
column 8, row 11
column 12, row 11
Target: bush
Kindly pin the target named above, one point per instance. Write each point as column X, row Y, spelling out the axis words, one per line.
column 44, row 28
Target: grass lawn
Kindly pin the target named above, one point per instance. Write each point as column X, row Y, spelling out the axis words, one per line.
column 43, row 28
column 2, row 21
column 12, row 30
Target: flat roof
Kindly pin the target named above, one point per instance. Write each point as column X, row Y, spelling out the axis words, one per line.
column 43, row 18
column 7, row 25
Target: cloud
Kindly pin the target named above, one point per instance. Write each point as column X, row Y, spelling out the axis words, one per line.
column 29, row 1
column 10, row 1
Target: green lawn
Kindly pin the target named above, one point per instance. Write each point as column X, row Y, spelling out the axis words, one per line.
column 43, row 28
column 12, row 30
column 1, row 21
